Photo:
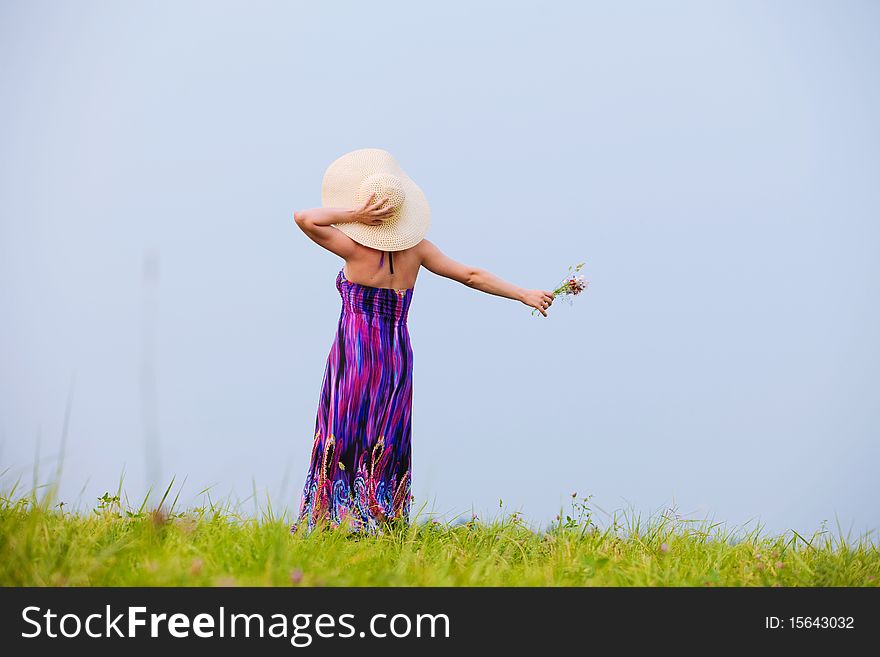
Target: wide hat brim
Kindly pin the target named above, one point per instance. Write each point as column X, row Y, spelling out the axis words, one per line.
column 345, row 186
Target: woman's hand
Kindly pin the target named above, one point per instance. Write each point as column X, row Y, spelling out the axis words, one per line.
column 538, row 299
column 371, row 212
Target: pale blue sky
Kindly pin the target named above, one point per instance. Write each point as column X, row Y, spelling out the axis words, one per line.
column 715, row 163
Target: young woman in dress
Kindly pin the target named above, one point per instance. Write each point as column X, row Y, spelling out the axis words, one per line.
column 374, row 218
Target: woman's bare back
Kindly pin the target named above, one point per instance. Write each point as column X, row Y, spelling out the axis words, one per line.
column 372, row 267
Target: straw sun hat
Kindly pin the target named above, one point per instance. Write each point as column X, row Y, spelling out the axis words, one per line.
column 348, row 183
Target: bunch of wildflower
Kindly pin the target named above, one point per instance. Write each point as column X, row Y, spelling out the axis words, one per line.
column 573, row 284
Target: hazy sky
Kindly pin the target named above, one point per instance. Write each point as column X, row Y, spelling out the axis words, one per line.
column 715, row 163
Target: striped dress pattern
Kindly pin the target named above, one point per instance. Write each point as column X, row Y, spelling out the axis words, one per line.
column 359, row 474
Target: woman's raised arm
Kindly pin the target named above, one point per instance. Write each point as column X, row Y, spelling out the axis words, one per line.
column 317, row 223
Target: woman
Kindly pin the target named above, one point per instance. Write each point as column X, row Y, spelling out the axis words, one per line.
column 360, row 469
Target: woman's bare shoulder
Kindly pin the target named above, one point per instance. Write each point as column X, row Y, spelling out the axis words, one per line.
column 437, row 262
column 425, row 249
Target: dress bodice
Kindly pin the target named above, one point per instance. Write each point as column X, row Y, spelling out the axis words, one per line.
column 374, row 303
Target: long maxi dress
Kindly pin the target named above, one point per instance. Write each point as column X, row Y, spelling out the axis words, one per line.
column 360, row 470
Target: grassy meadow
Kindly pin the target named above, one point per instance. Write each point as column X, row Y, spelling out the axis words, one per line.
column 114, row 544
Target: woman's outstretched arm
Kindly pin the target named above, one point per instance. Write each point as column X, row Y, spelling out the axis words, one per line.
column 317, row 223
column 439, row 263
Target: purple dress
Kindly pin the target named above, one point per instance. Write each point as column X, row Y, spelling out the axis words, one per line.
column 360, row 468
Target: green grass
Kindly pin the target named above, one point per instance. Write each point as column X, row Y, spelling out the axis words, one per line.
column 116, row 545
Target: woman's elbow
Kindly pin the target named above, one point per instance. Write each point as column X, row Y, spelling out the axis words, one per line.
column 304, row 221
column 473, row 276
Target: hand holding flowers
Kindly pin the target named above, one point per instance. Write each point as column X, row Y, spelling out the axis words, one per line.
column 537, row 299
column 572, row 285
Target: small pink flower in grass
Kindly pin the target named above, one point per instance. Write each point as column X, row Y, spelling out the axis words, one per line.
column 664, row 547
column 296, row 576
column 571, row 286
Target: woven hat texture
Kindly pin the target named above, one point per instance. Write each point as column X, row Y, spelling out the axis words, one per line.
column 348, row 183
